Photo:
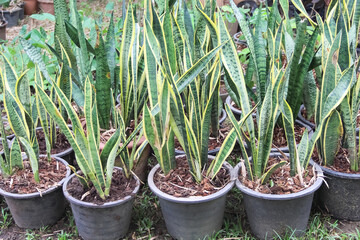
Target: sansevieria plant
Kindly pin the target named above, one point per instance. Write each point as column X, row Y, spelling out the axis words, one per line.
column 339, row 41
column 96, row 166
column 112, row 71
column 167, row 117
column 23, row 112
column 269, row 109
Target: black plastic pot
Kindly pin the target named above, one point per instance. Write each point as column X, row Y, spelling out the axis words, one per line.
column 12, row 17
column 5, row 120
column 237, row 39
column 68, row 155
column 21, row 12
column 36, row 210
column 214, row 151
column 248, row 4
column 271, row 215
column 193, row 217
column 223, row 96
column 109, row 221
column 118, row 99
column 236, row 112
column 341, row 195
column 304, row 120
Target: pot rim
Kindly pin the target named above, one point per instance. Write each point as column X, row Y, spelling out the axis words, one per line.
column 192, row 199
column 59, row 155
column 66, row 151
column 316, row 185
column 37, row 194
column 307, row 122
column 334, row 173
column 223, row 116
column 236, row 39
column 233, row 109
column 304, row 120
column 210, row 152
column 15, row 9
column 73, row 200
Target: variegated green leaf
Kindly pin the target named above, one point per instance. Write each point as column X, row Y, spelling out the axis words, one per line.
column 32, row 158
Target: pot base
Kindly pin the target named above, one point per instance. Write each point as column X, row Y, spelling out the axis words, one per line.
column 109, row 221
column 193, row 217
column 272, row 215
column 33, row 211
column 340, row 196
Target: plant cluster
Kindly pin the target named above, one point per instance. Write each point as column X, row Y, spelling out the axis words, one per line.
column 156, row 81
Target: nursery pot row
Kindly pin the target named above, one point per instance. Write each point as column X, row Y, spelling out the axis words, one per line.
column 186, row 218
column 191, row 218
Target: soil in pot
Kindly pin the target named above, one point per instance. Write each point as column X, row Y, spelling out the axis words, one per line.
column 214, row 143
column 180, row 182
column 279, row 137
column 61, row 144
column 341, row 161
column 23, row 182
column 120, row 188
column 281, row 182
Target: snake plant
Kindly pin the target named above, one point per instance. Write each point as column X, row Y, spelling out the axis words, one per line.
column 339, row 41
column 23, row 113
column 299, row 49
column 128, row 79
column 97, row 167
column 163, row 67
column 63, row 41
column 271, row 105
